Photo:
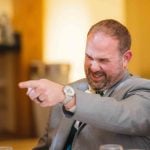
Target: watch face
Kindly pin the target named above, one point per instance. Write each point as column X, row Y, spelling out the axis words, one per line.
column 69, row 91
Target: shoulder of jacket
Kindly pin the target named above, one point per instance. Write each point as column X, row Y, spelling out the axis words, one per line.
column 131, row 85
column 136, row 82
column 81, row 84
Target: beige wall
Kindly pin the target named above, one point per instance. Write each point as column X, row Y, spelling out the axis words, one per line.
column 104, row 9
column 66, row 23
column 6, row 7
column 138, row 21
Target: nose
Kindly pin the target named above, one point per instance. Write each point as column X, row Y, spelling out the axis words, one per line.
column 95, row 66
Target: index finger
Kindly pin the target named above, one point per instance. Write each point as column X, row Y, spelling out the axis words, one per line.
column 28, row 84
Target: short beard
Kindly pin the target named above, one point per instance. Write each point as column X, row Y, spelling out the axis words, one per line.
column 102, row 85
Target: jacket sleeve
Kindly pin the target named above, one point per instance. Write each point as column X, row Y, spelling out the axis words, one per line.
column 126, row 111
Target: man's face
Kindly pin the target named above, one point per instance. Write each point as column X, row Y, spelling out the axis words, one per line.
column 104, row 64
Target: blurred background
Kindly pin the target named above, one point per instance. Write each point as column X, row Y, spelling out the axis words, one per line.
column 46, row 39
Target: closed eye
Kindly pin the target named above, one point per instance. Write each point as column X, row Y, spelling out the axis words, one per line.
column 89, row 57
column 103, row 60
column 99, row 60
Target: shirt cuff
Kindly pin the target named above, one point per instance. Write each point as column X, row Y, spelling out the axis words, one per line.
column 69, row 112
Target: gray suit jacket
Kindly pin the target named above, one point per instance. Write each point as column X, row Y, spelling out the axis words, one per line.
column 121, row 116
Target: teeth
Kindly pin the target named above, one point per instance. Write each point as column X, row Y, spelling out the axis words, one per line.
column 97, row 75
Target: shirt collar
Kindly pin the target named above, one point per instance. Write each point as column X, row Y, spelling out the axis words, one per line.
column 90, row 90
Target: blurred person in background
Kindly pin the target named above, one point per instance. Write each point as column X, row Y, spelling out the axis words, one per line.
column 109, row 106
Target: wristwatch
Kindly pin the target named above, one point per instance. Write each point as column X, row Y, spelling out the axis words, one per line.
column 69, row 94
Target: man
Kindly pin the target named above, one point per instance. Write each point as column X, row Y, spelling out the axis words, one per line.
column 118, row 114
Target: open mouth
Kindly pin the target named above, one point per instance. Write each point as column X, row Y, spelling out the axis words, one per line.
column 97, row 76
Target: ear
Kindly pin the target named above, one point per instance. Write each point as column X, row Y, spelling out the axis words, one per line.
column 127, row 57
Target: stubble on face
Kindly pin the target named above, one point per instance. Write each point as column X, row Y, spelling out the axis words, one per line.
column 96, row 84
